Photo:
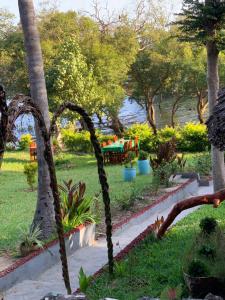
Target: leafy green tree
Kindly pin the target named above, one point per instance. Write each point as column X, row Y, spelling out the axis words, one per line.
column 204, row 22
column 71, row 79
column 148, row 76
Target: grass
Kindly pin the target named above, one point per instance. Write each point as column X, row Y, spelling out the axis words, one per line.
column 17, row 204
column 153, row 266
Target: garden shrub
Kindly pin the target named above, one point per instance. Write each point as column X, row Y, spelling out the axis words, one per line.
column 190, row 138
column 193, row 138
column 77, row 141
column 203, row 164
column 104, row 138
column 167, row 133
column 30, row 170
column 25, row 141
column 148, row 140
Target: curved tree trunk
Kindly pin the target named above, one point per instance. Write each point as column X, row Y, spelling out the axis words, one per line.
column 213, row 87
column 151, row 115
column 202, row 104
column 117, row 126
column 44, row 214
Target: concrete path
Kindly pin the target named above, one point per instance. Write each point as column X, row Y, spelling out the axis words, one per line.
column 90, row 258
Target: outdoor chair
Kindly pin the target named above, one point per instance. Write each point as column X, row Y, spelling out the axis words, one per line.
column 33, row 151
column 135, row 148
column 115, row 138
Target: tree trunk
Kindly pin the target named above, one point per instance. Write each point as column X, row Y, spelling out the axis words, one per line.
column 213, row 87
column 44, row 214
column 174, row 110
column 151, row 115
column 117, row 126
column 201, row 106
column 3, row 123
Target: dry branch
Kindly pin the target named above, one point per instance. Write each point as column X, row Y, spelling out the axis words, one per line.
column 214, row 199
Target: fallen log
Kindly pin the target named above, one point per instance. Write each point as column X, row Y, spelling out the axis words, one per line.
column 214, row 199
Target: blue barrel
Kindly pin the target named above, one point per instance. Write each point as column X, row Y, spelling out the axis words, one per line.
column 144, row 166
column 129, row 174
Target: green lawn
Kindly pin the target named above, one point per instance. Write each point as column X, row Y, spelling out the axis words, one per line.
column 17, row 205
column 154, row 265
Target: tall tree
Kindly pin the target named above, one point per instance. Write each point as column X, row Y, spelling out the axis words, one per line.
column 44, row 214
column 148, row 75
column 204, row 22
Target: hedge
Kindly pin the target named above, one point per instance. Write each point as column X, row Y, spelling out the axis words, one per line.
column 190, row 138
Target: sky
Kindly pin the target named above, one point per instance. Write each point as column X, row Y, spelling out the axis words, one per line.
column 83, row 5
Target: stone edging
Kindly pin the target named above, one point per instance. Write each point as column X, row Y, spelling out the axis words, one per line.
column 160, row 200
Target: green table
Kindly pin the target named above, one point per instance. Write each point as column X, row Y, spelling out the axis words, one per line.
column 115, row 147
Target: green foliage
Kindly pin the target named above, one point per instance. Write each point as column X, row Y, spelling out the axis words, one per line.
column 104, row 138
column 75, row 207
column 167, row 133
column 193, row 138
column 202, row 21
column 190, row 138
column 130, row 159
column 30, row 170
column 197, row 268
column 208, row 225
column 84, row 280
column 181, row 162
column 165, row 154
column 203, row 164
column 120, row 269
column 143, row 155
column 163, row 173
column 70, row 78
column 30, row 239
column 207, row 251
column 145, row 134
column 25, row 141
column 77, row 141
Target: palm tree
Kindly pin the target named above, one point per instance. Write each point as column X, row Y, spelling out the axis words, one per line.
column 44, row 214
column 204, row 22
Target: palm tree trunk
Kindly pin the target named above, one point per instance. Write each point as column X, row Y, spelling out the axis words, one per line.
column 44, row 214
column 213, row 87
column 3, row 123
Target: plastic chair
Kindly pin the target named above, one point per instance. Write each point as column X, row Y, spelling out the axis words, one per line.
column 33, row 151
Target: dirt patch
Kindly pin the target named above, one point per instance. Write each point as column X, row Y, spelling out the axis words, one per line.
column 6, row 261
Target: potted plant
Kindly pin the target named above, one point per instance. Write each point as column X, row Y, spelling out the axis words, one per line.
column 30, row 240
column 203, row 268
column 129, row 171
column 143, row 163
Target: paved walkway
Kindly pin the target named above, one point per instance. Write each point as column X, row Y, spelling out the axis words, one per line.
column 90, row 258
